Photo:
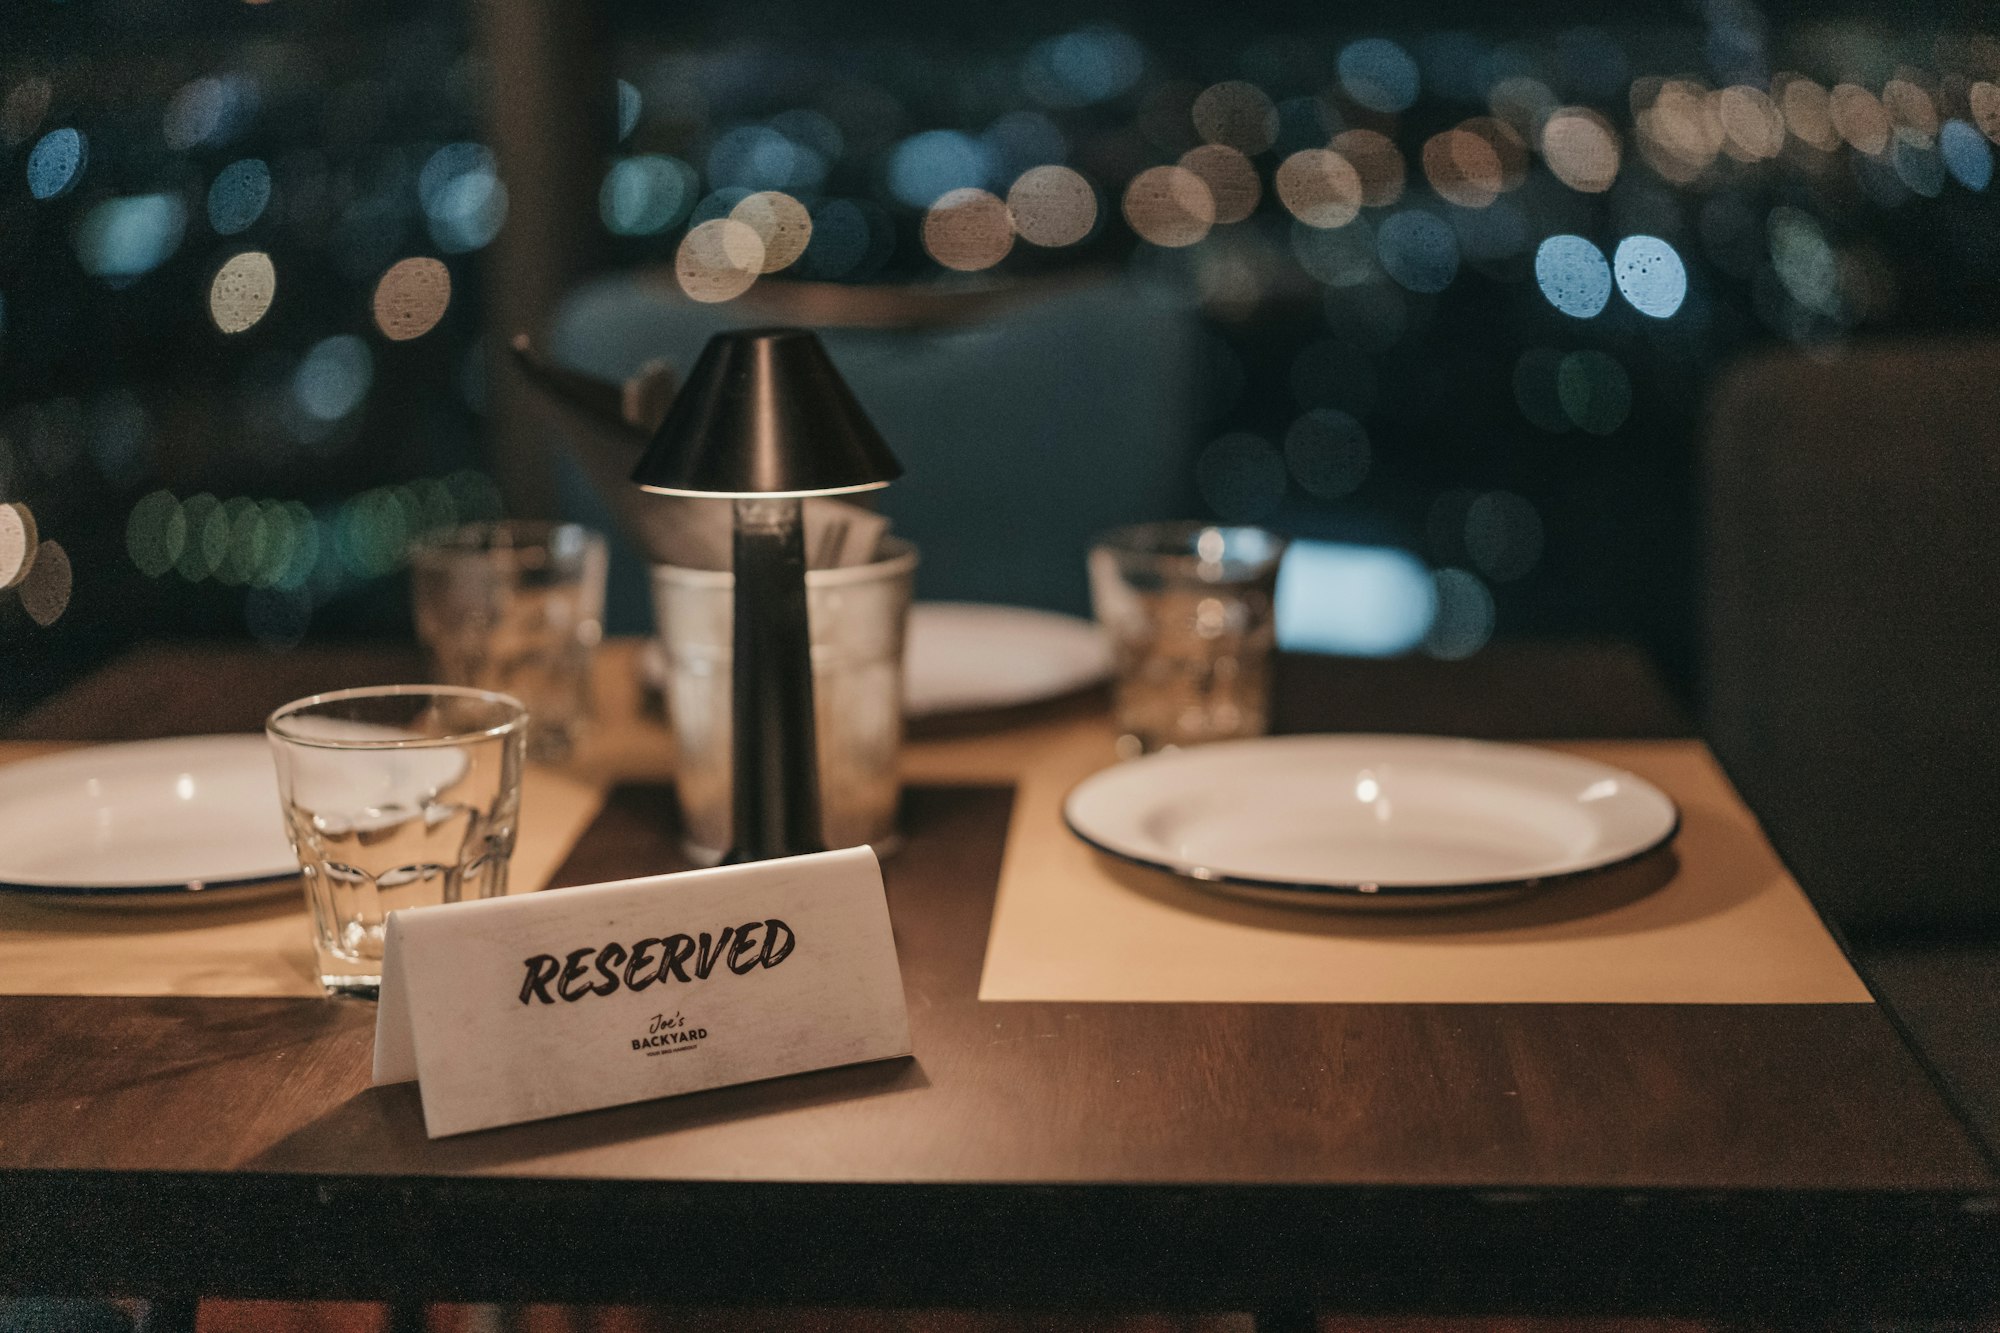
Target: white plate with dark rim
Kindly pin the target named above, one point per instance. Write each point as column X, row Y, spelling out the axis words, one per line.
column 147, row 823
column 1354, row 820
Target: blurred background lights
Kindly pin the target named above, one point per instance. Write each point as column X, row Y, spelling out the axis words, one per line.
column 1966, row 154
column 1860, row 119
column 1463, row 622
column 45, row 592
column 1911, row 111
column 463, row 200
column 1573, row 275
column 411, row 297
column 1169, row 206
column 126, row 236
column 209, row 111
column 1052, row 206
column 926, row 166
column 1355, row 601
column 645, row 195
column 1418, row 250
column 1650, row 275
column 781, row 223
column 241, row 291
column 1503, row 535
column 1510, row 150
column 1918, row 167
column 1808, row 114
column 968, row 230
column 1339, row 257
column 1984, row 100
column 1804, row 262
column 1378, row 74
column 1595, row 392
column 333, row 377
column 760, row 157
column 1019, row 140
column 718, row 260
column 1079, row 68
column 1319, row 187
column 1535, row 389
column 1376, row 161
column 22, row 111
column 630, row 104
column 1231, row 180
column 19, row 540
column 1327, row 452
column 1522, row 102
column 1753, row 128
column 1236, row 114
column 207, row 539
column 1241, row 477
column 156, row 534
column 238, row 196
column 1581, row 149
column 1463, row 168
column 56, row 162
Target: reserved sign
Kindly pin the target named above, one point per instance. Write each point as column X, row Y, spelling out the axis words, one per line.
column 513, row 1009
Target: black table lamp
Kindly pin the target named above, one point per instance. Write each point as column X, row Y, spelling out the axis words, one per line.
column 765, row 420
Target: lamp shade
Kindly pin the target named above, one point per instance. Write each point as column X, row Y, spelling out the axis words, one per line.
column 764, row 413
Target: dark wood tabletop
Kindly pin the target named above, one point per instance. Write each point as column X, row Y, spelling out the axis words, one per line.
column 1729, row 1159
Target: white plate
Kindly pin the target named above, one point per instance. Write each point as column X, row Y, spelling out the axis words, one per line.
column 1330, row 819
column 964, row 657
column 146, row 820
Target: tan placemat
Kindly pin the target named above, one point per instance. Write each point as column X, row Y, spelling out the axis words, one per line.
column 253, row 948
column 1719, row 921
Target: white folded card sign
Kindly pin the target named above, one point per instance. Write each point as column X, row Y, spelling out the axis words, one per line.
column 512, row 1009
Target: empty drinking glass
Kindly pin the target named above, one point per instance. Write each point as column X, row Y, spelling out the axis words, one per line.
column 398, row 796
column 1189, row 609
column 519, row 607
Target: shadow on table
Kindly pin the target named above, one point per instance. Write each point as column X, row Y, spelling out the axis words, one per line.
column 1625, row 899
column 384, row 1126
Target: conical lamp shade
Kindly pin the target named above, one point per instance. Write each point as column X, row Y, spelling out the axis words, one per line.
column 764, row 413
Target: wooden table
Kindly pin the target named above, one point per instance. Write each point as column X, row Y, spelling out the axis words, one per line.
column 1743, row 1160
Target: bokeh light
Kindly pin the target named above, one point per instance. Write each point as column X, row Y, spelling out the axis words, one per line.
column 645, row 195
column 463, row 199
column 1966, row 154
column 1650, row 275
column 238, row 196
column 1573, row 275
column 1378, row 74
column 45, row 592
column 1231, row 180
column 1595, row 392
column 1169, row 206
column 332, row 378
column 1052, row 206
column 781, row 223
column 718, row 260
column 1356, row 601
column 1984, row 100
column 1911, row 111
column 1753, row 128
column 22, row 111
column 209, row 111
column 1319, row 187
column 1503, row 535
column 762, row 157
column 1241, row 477
column 19, row 540
column 56, row 163
column 968, row 230
column 1236, row 114
column 1510, row 150
column 1523, row 103
column 927, row 166
column 1808, row 114
column 1463, row 168
column 242, row 291
column 1080, row 68
column 1805, row 263
column 207, row 538
column 1679, row 133
column 411, row 298
column 1019, row 140
column 1327, row 452
column 156, row 534
column 1463, row 623
column 127, row 236
column 1418, row 250
column 1338, row 257
column 630, row 105
column 1860, row 119
column 1918, row 167
column 1377, row 161
column 1581, row 149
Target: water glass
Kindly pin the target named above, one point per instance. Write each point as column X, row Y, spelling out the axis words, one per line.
column 1189, row 610
column 398, row 796
column 516, row 607
column 857, row 616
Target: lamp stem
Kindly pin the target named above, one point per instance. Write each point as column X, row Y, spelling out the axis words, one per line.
column 775, row 797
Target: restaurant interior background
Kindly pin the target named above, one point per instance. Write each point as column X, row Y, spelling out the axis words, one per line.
column 1444, row 293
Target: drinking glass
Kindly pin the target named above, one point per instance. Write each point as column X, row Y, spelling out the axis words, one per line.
column 518, row 607
column 1189, row 610
column 397, row 796
column 857, row 616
